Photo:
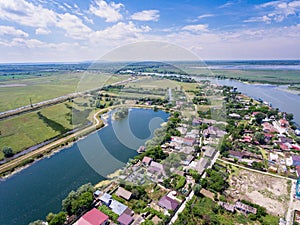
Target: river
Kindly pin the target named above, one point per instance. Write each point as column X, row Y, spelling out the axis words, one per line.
column 39, row 189
column 277, row 95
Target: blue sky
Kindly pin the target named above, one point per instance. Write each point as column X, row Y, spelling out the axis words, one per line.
column 78, row 30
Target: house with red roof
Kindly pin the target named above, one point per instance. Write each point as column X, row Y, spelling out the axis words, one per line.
column 297, row 147
column 283, row 123
column 247, row 139
column 93, row 217
column 284, row 147
column 269, row 128
column 147, row 160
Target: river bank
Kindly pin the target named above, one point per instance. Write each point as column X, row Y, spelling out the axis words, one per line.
column 16, row 165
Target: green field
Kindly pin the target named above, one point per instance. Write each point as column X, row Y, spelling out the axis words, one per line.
column 153, row 83
column 29, row 129
column 261, row 76
column 49, row 87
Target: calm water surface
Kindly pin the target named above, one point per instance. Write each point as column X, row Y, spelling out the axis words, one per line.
column 39, row 189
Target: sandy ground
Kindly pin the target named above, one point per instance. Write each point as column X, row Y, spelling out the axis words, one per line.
column 103, row 183
column 269, row 192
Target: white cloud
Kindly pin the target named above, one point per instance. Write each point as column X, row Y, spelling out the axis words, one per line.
column 196, row 28
column 146, row 15
column 227, row 4
column 205, row 16
column 109, row 11
column 73, row 26
column 11, row 31
column 265, row 19
column 28, row 14
column 280, row 10
column 42, row 31
column 120, row 31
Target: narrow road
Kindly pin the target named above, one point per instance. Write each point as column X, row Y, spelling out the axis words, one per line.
column 54, row 101
column 189, row 197
column 257, row 171
column 181, row 208
column 294, row 204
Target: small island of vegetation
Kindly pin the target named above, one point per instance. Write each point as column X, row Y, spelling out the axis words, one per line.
column 121, row 113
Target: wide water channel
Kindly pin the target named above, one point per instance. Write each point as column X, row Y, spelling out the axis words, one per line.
column 278, row 96
column 39, row 189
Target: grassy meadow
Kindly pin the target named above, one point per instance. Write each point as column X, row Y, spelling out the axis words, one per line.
column 260, row 76
column 24, row 131
column 49, row 87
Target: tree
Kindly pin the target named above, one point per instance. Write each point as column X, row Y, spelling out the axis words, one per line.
column 289, row 116
column 7, row 151
column 297, row 139
column 259, row 117
column 49, row 217
column 78, row 201
column 197, row 189
column 260, row 137
column 58, row 219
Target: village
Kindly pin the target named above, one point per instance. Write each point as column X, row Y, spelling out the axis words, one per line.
column 197, row 157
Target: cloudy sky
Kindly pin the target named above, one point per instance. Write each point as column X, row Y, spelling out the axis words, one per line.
column 79, row 30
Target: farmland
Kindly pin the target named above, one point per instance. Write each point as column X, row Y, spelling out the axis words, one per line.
column 27, row 130
column 18, row 93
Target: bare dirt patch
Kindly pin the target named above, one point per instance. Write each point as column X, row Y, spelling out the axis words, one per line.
column 267, row 191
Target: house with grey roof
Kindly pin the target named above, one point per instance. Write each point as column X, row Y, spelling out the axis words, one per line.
column 117, row 207
column 201, row 165
column 210, row 152
column 168, row 203
column 105, row 199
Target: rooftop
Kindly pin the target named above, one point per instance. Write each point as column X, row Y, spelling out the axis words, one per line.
column 168, row 203
column 92, row 217
column 209, row 151
column 105, row 198
column 125, row 219
column 121, row 192
column 147, row 160
column 117, row 207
